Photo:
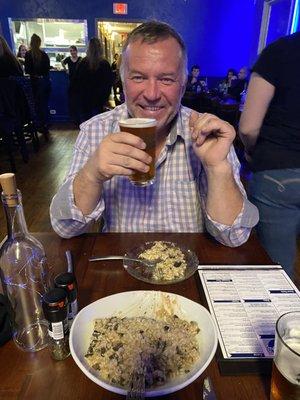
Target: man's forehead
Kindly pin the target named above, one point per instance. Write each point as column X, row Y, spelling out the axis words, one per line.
column 162, row 44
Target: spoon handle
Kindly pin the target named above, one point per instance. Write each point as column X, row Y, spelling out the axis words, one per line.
column 108, row 258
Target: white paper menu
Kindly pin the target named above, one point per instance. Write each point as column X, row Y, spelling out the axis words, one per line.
column 245, row 302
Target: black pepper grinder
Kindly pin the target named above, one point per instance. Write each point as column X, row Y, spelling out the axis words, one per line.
column 55, row 307
column 67, row 281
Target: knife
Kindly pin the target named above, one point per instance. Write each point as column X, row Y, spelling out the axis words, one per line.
column 208, row 390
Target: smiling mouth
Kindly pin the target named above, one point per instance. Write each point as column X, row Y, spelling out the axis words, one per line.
column 151, row 108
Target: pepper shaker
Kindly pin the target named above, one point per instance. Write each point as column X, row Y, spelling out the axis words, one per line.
column 55, row 305
column 67, row 281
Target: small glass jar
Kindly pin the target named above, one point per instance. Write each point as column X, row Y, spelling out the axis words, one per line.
column 55, row 306
column 67, row 281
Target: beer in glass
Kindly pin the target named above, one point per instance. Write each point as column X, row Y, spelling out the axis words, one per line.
column 285, row 383
column 145, row 128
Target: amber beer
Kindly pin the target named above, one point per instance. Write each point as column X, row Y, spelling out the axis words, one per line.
column 145, row 128
column 285, row 383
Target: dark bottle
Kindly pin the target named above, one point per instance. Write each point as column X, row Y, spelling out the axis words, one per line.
column 67, row 281
column 55, row 306
column 24, row 273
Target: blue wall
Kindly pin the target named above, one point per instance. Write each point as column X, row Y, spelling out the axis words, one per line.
column 219, row 33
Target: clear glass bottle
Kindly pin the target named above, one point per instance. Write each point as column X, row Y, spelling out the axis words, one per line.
column 24, row 272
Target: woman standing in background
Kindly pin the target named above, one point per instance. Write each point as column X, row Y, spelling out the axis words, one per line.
column 37, row 65
column 21, row 54
column 71, row 61
column 92, row 82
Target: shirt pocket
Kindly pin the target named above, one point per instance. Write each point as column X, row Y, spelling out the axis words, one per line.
column 183, row 206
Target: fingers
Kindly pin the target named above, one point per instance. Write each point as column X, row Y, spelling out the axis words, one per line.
column 128, row 138
column 122, row 154
column 209, row 124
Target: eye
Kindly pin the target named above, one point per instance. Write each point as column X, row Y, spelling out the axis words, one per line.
column 137, row 78
column 167, row 81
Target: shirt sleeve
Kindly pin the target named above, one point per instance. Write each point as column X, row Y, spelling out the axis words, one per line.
column 238, row 233
column 268, row 65
column 66, row 219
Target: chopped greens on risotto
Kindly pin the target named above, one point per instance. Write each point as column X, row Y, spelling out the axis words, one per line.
column 171, row 262
column 163, row 349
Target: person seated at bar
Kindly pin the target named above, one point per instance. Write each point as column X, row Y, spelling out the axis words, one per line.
column 239, row 85
column 194, row 83
column 9, row 64
column 71, row 61
column 197, row 185
column 92, row 82
column 37, row 65
column 227, row 82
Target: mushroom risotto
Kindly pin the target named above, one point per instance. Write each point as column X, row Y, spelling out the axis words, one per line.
column 171, row 263
column 163, row 349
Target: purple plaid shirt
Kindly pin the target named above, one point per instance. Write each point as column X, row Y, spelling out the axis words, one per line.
column 174, row 203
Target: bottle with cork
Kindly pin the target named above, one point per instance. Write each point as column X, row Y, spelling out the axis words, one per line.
column 24, row 273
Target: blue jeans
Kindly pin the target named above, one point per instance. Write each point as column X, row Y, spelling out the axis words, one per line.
column 276, row 194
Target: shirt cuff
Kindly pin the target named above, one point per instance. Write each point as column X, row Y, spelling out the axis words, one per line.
column 237, row 233
column 68, row 210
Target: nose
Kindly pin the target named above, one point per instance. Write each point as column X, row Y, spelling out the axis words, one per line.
column 152, row 90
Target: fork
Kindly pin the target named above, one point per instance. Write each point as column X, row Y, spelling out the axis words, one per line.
column 137, row 389
column 148, row 263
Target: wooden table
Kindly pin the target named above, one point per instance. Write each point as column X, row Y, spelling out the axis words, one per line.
column 36, row 376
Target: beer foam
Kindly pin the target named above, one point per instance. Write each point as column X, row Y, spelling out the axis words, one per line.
column 288, row 362
column 138, row 122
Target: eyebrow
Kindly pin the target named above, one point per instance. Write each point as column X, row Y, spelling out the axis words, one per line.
column 162, row 75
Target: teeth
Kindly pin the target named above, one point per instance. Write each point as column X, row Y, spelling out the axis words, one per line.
column 152, row 108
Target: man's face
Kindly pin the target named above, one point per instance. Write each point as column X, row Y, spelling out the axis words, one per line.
column 195, row 72
column 242, row 73
column 154, row 81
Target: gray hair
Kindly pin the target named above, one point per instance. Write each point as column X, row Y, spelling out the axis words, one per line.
column 152, row 32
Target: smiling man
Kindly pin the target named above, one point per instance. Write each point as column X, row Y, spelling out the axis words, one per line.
column 197, row 185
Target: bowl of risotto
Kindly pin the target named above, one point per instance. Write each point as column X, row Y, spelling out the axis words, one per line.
column 167, row 337
column 172, row 262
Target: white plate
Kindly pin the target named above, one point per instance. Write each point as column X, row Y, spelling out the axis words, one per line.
column 143, row 303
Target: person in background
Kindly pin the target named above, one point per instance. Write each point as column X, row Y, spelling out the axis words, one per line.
column 92, row 82
column 21, row 54
column 239, row 85
column 116, row 76
column 9, row 64
column 197, row 185
column 71, row 61
column 37, row 65
column 227, row 82
column 270, row 131
column 194, row 83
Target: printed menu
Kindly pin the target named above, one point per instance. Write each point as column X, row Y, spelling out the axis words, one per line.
column 245, row 302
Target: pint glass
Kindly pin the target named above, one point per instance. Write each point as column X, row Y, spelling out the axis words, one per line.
column 145, row 128
column 285, row 383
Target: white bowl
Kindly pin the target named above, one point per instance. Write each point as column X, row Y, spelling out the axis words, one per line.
column 144, row 303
